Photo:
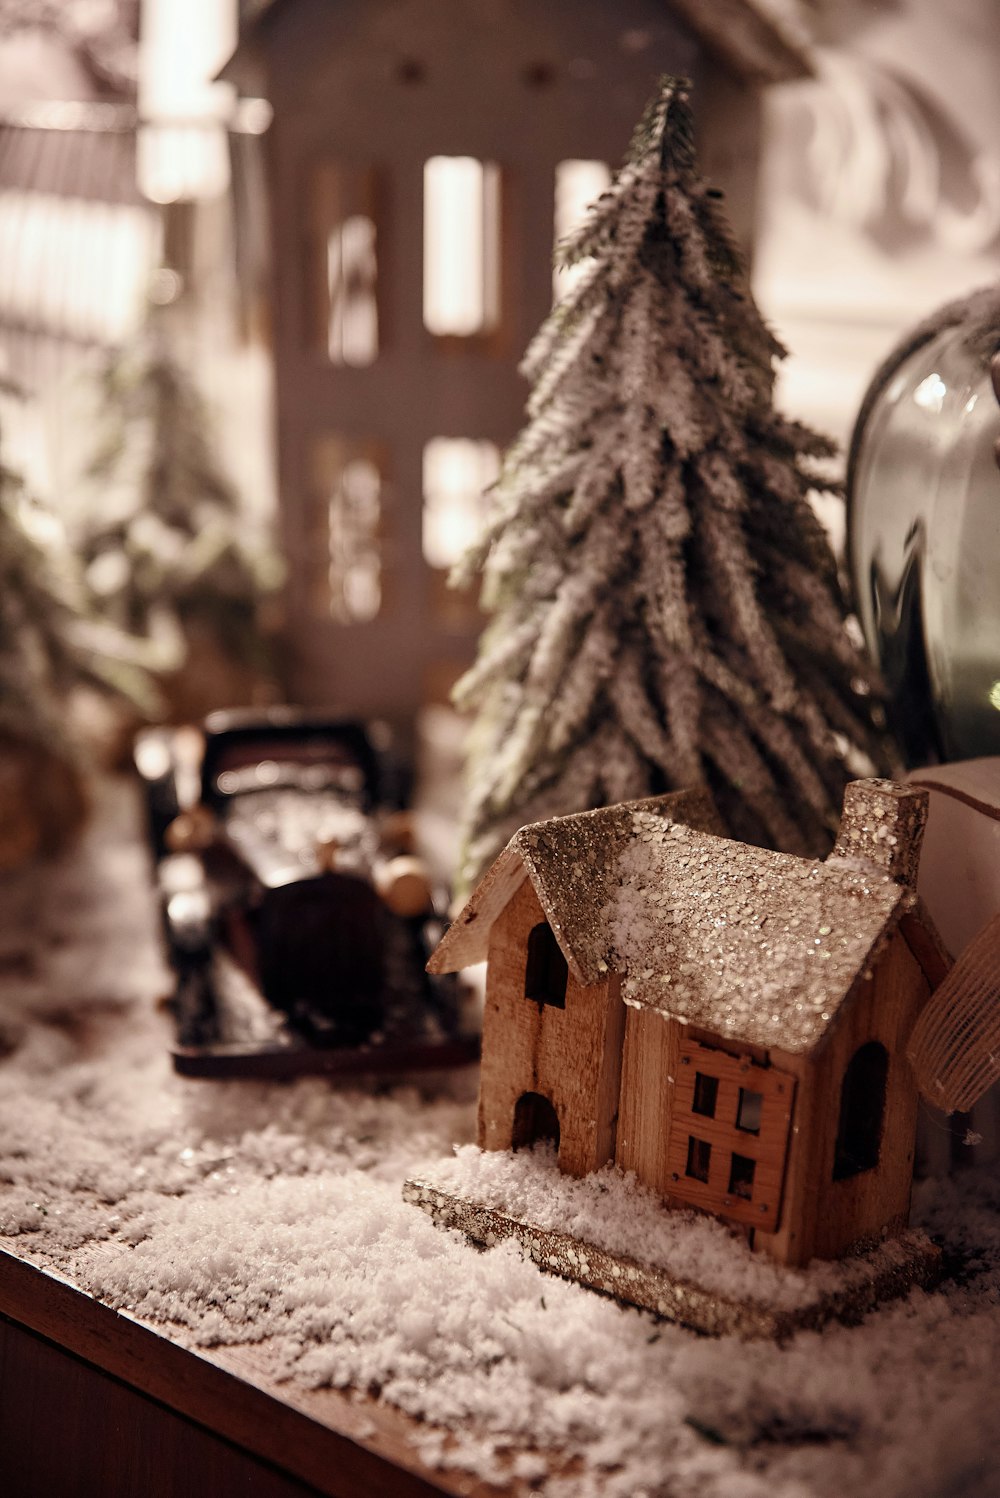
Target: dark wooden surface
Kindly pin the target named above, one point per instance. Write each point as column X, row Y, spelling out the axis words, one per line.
column 274, row 1063
column 69, row 1431
column 93, row 1402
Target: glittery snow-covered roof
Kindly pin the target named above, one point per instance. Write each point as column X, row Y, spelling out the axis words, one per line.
column 757, row 946
column 572, row 863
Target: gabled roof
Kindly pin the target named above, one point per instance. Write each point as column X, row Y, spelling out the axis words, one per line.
column 572, row 863
column 758, row 39
column 760, row 947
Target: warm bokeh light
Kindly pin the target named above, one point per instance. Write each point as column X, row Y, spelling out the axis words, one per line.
column 352, row 334
column 457, row 471
column 578, row 184
column 183, row 151
column 461, row 245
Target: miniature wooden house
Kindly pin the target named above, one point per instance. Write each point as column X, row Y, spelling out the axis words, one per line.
column 421, row 160
column 727, row 1022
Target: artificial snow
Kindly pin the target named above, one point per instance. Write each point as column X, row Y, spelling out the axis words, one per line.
column 227, row 1213
column 611, row 1210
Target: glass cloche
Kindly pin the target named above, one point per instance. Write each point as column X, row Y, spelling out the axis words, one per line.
column 924, row 532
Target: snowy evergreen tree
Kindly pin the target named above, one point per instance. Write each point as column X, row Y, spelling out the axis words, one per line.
column 161, row 532
column 48, row 645
column 53, row 657
column 667, row 610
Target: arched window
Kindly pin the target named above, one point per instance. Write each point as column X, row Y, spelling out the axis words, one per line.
column 862, row 1110
column 545, row 971
column 535, row 1119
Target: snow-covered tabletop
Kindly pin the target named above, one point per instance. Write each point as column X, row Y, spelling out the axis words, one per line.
column 245, row 1214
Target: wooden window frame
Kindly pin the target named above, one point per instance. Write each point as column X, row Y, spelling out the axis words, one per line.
column 767, row 1149
column 336, row 192
column 331, row 454
column 492, row 337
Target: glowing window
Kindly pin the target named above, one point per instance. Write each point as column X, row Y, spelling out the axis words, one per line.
column 352, row 334
column 457, row 472
column 344, row 552
column 355, row 555
column 111, row 248
column 578, row 184
column 182, row 151
column 344, row 280
column 461, row 246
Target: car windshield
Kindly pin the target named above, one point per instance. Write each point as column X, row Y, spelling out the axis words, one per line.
column 266, row 774
column 283, row 834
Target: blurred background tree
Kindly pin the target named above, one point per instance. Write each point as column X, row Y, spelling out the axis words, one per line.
column 168, row 551
column 52, row 652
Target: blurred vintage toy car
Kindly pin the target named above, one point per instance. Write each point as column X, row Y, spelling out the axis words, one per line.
column 297, row 919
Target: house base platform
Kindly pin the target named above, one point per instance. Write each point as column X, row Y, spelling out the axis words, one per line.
column 856, row 1286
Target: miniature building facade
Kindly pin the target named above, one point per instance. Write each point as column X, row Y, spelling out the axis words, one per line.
column 731, row 1024
column 420, row 166
column 567, row 1053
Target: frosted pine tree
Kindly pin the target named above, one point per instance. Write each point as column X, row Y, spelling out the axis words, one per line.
column 667, row 610
column 161, row 530
column 50, row 653
column 49, row 647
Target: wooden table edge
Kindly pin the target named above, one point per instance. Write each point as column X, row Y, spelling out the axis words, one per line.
column 314, row 1436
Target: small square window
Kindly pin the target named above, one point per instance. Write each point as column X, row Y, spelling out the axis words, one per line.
column 748, row 1111
column 699, row 1159
column 729, row 1134
column 706, row 1092
column 741, row 1174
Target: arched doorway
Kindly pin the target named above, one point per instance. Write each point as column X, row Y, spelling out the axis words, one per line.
column 862, row 1108
column 535, row 1119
